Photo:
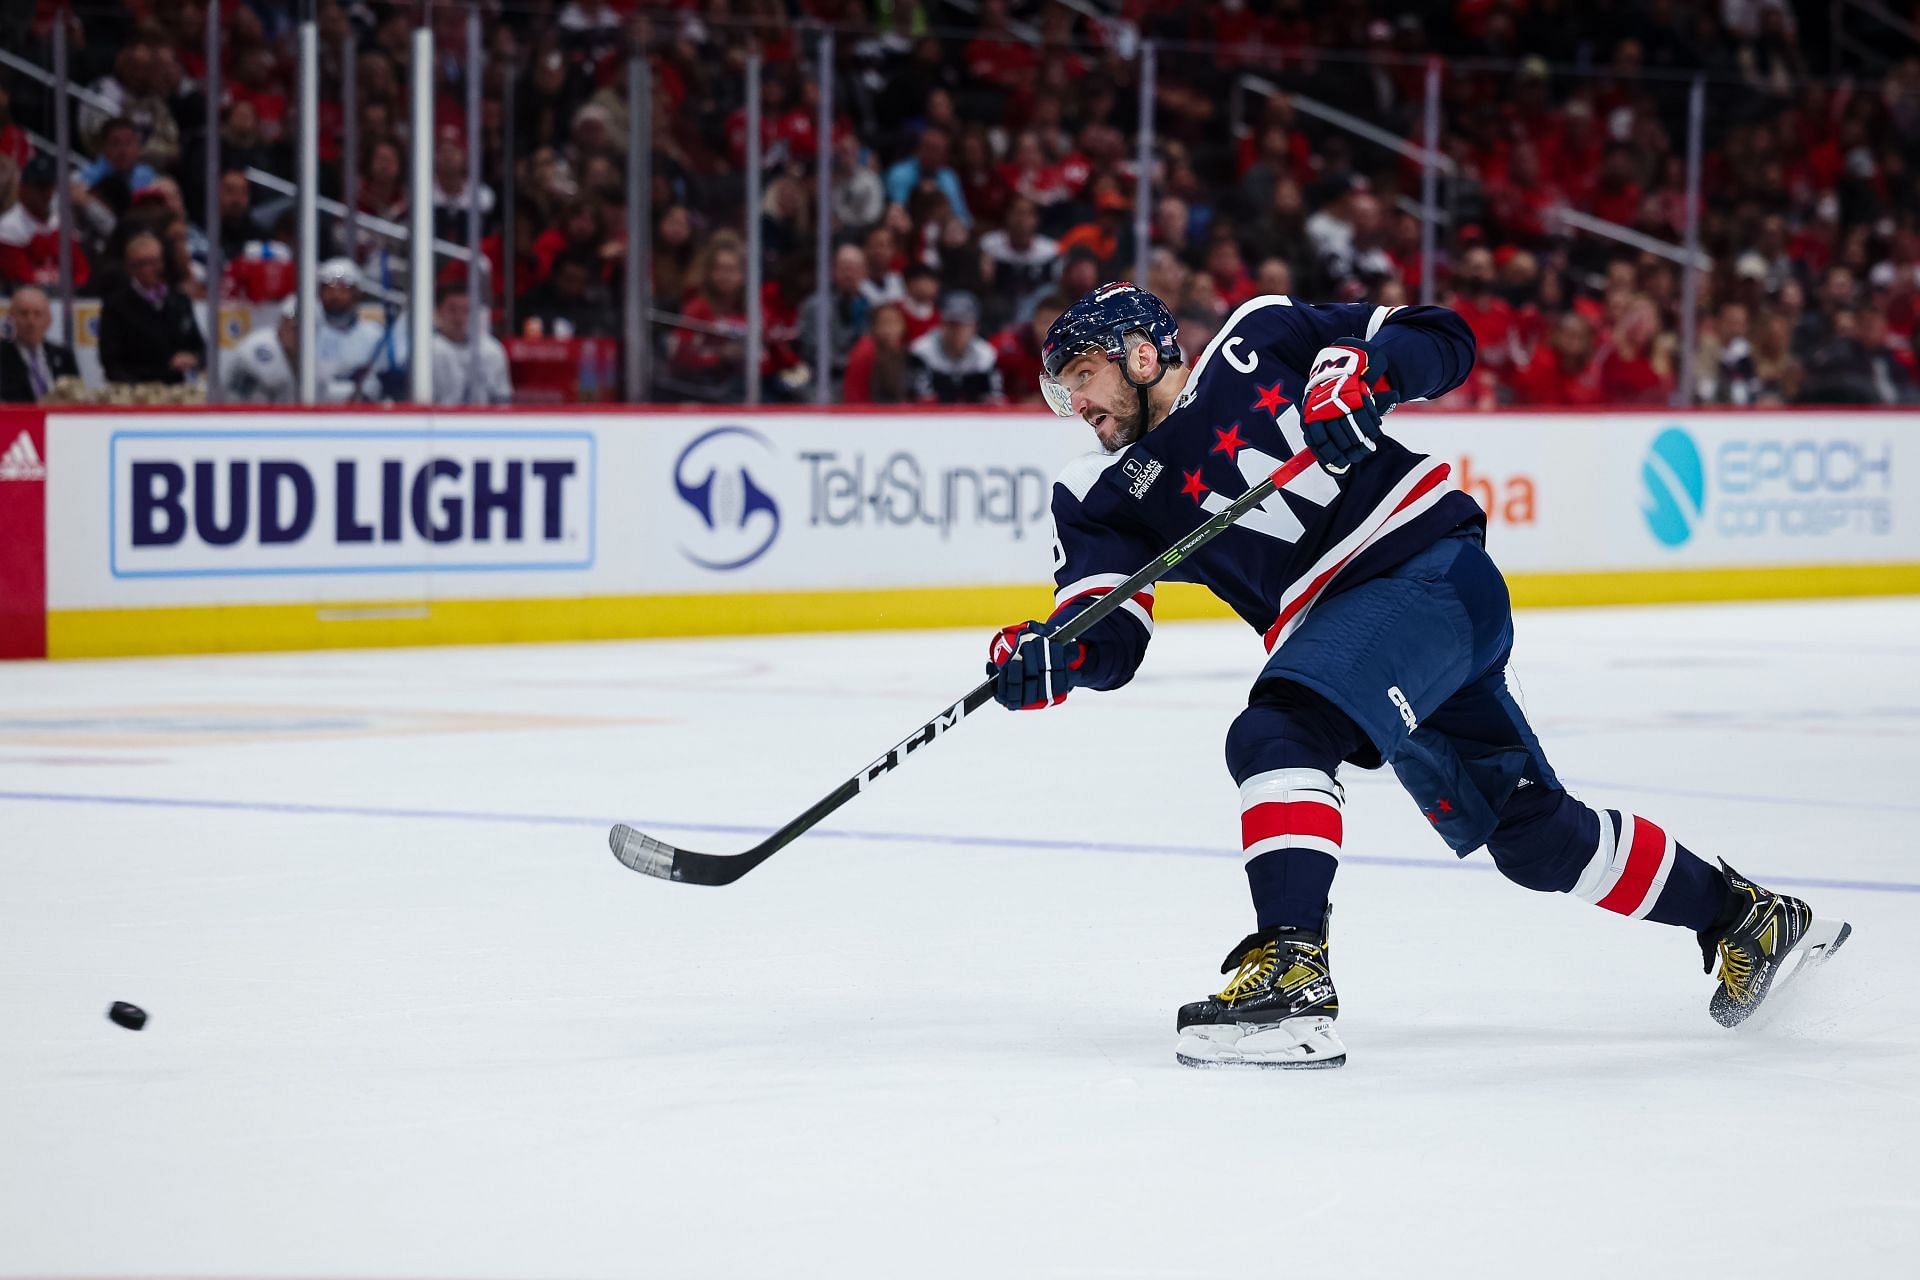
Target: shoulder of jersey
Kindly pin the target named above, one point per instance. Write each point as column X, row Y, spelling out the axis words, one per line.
column 1079, row 475
column 1228, row 331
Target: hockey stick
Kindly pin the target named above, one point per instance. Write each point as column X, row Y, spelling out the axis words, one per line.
column 654, row 857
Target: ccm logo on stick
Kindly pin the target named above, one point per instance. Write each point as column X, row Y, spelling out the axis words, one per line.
column 928, row 732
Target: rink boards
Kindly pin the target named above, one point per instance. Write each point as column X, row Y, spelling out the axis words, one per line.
column 125, row 532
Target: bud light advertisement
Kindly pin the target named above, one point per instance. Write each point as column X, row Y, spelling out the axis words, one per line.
column 264, row 503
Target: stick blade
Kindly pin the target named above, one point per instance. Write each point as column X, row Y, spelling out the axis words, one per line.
column 642, row 852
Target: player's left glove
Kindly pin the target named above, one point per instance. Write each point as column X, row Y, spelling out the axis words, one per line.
column 1347, row 395
column 1031, row 669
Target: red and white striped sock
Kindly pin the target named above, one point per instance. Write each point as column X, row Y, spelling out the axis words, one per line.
column 1631, row 866
column 1290, row 828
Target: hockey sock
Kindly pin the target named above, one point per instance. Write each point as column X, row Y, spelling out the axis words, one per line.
column 1643, row 873
column 1290, row 829
column 1550, row 842
column 1283, row 751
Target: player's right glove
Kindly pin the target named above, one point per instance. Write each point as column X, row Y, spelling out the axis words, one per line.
column 1032, row 670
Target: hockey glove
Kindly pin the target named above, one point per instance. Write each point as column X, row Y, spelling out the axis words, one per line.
column 1032, row 670
column 1347, row 395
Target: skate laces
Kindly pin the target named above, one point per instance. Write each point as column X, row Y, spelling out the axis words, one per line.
column 1736, row 971
column 1256, row 966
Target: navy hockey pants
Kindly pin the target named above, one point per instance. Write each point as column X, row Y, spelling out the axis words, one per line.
column 1410, row 668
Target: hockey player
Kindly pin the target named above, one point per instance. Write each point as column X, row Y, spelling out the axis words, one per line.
column 261, row 368
column 355, row 353
column 1388, row 629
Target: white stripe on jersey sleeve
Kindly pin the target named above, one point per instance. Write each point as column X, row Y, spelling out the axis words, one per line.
column 1077, row 477
column 1379, row 318
column 1103, row 583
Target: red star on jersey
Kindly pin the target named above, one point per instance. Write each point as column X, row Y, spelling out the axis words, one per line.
column 1228, row 442
column 1270, row 399
column 1193, row 488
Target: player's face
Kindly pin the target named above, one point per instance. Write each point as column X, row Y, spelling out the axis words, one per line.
column 1099, row 394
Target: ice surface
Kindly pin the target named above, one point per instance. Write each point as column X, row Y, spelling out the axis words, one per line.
column 410, row 1018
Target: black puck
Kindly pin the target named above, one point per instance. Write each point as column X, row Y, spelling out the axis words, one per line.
column 130, row 1016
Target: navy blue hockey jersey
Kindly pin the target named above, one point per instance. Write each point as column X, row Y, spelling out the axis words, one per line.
column 1235, row 421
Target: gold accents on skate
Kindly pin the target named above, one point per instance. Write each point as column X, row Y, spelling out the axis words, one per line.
column 1255, row 967
column 1736, row 970
column 1258, row 965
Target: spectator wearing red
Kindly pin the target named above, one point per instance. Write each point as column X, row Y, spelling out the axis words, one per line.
column 785, row 133
column 1018, row 348
column 921, row 304
column 1488, row 314
column 1029, row 174
column 1278, row 144
column 1629, row 370
column 996, row 55
column 1518, row 205
column 257, row 82
column 382, row 190
column 582, row 229
column 1571, row 154
column 986, row 195
column 1562, row 371
column 14, row 144
column 30, row 232
column 1616, row 195
column 709, row 363
column 1228, row 271
column 1277, row 161
column 877, row 364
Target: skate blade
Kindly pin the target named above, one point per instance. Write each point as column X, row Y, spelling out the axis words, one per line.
column 1817, row 945
column 1297, row 1044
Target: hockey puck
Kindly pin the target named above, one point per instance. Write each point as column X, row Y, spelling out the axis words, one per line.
column 130, row 1016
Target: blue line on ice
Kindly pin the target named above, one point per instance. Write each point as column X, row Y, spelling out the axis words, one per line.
column 895, row 837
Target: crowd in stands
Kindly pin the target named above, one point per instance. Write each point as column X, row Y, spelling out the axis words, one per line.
column 982, row 175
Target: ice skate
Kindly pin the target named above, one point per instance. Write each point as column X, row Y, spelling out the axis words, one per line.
column 1764, row 941
column 1277, row 1012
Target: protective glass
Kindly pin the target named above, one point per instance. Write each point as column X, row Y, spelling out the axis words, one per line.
column 1058, row 398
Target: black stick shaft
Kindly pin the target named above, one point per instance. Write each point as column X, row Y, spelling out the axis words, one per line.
column 657, row 858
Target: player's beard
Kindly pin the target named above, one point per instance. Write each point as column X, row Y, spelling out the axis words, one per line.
column 1124, row 426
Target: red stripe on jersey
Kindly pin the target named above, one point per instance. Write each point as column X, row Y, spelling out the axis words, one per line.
column 1142, row 598
column 1289, row 818
column 1643, row 861
column 1428, row 483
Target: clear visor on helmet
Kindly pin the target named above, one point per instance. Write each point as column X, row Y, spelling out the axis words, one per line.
column 1058, row 398
column 1058, row 394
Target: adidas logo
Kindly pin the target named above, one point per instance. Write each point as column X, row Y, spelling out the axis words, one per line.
column 21, row 461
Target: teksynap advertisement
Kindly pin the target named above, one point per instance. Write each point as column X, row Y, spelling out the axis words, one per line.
column 868, row 502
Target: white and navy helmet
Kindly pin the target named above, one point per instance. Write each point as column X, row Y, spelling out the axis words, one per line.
column 1101, row 322
column 339, row 271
